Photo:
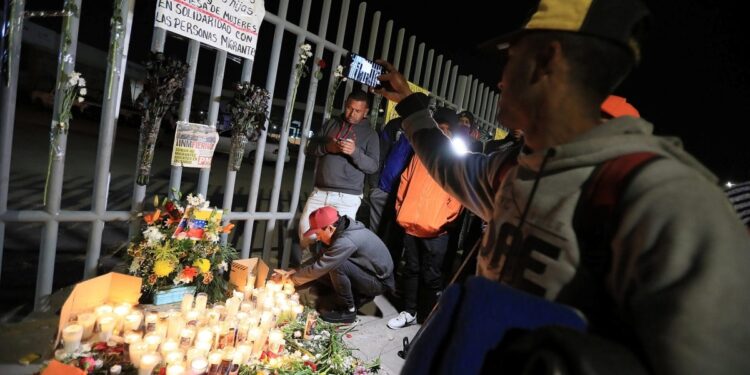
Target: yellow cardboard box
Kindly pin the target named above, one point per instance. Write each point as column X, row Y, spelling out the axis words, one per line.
column 112, row 288
column 242, row 268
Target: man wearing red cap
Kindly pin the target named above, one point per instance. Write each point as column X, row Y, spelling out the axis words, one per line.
column 669, row 281
column 355, row 261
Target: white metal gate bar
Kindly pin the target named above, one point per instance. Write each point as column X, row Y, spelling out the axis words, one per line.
column 440, row 77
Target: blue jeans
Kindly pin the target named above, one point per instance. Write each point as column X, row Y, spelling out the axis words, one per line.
column 353, row 285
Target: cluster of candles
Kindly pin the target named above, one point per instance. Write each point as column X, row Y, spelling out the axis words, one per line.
column 195, row 339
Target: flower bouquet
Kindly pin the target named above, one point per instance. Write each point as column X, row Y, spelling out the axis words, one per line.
column 179, row 246
column 249, row 109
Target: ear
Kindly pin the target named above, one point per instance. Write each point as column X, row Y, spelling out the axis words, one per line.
column 547, row 60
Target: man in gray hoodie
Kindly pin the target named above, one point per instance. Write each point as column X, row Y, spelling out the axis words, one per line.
column 354, row 261
column 346, row 148
column 674, row 281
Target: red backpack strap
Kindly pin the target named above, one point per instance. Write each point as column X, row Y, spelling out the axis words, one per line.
column 596, row 218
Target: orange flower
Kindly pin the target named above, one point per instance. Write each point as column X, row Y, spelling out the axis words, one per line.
column 189, row 273
column 152, row 279
column 227, row 228
column 208, row 278
column 152, row 217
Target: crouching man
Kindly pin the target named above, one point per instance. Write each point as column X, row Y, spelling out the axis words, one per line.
column 355, row 260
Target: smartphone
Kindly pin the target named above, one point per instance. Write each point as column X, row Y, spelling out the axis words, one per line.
column 362, row 70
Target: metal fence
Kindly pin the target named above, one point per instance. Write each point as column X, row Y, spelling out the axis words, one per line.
column 435, row 73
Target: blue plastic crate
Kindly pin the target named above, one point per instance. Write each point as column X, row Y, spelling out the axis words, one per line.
column 172, row 295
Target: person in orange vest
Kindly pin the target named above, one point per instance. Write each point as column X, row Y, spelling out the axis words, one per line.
column 426, row 212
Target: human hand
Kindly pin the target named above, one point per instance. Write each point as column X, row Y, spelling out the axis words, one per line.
column 280, row 276
column 333, row 146
column 394, row 86
column 347, row 146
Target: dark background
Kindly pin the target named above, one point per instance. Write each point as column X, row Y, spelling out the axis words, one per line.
column 692, row 82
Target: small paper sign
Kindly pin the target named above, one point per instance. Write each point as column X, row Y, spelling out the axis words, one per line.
column 194, row 145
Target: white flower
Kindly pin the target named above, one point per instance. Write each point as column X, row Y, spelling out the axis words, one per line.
column 83, row 91
column 80, row 99
column 98, row 363
column 81, row 82
column 223, row 266
column 73, row 78
column 135, row 265
column 153, row 236
column 208, row 236
column 199, row 201
column 297, row 334
column 305, row 47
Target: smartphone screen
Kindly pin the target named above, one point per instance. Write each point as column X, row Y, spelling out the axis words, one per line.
column 363, row 70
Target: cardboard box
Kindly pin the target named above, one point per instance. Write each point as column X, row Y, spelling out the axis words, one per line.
column 242, row 268
column 112, row 288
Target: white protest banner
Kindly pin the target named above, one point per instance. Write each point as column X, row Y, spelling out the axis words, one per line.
column 230, row 25
column 194, row 145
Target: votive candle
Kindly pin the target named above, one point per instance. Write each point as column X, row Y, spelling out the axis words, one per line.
column 71, row 336
column 199, row 366
column 148, row 362
column 133, row 320
column 106, row 326
column 153, row 341
column 187, row 302
column 136, row 351
column 200, row 302
column 87, row 321
column 176, row 369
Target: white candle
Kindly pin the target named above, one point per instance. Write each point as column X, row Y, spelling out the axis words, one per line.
column 133, row 320
column 175, row 326
column 233, row 306
column 106, row 326
column 168, row 346
column 87, row 321
column 103, row 310
column 136, row 351
column 245, row 351
column 132, row 337
column 194, row 353
column 289, row 288
column 246, row 306
column 193, row 318
column 199, row 366
column 214, row 359
column 213, row 317
column 204, row 346
column 71, row 336
column 174, row 357
column 120, row 312
column 294, row 297
column 153, row 341
column 175, row 370
column 204, row 334
column 186, row 338
column 151, row 320
column 200, row 302
column 148, row 362
column 187, row 302
column 275, row 340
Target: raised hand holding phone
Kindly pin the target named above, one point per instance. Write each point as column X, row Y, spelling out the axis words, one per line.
column 394, row 86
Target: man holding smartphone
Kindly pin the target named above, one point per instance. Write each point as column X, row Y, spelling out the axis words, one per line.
column 346, row 149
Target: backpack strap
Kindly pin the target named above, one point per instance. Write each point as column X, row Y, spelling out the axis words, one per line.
column 596, row 218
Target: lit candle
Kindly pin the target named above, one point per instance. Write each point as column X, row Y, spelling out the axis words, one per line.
column 204, row 334
column 266, row 319
column 186, row 338
column 71, row 336
column 132, row 337
column 120, row 312
column 136, row 351
column 221, row 310
column 176, row 370
column 175, row 326
column 153, row 341
column 298, row 309
column 133, row 320
column 87, row 321
column 275, row 340
column 174, row 357
column 268, row 302
column 244, row 350
column 148, row 362
column 289, row 287
column 213, row 317
column 103, row 310
column 246, row 306
column 187, row 302
column 106, row 326
column 193, row 318
column 242, row 330
column 232, row 306
column 239, row 295
column 204, row 346
column 199, row 366
column 214, row 359
column 200, row 302
column 151, row 320
column 168, row 346
column 194, row 353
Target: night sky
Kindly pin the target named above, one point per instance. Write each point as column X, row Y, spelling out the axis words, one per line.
column 692, row 83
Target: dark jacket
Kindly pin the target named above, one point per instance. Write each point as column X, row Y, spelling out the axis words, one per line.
column 340, row 172
column 354, row 242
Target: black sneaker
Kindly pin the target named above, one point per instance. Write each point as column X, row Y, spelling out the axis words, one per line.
column 339, row 316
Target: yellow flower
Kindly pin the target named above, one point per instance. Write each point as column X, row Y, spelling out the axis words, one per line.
column 163, row 268
column 203, row 264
